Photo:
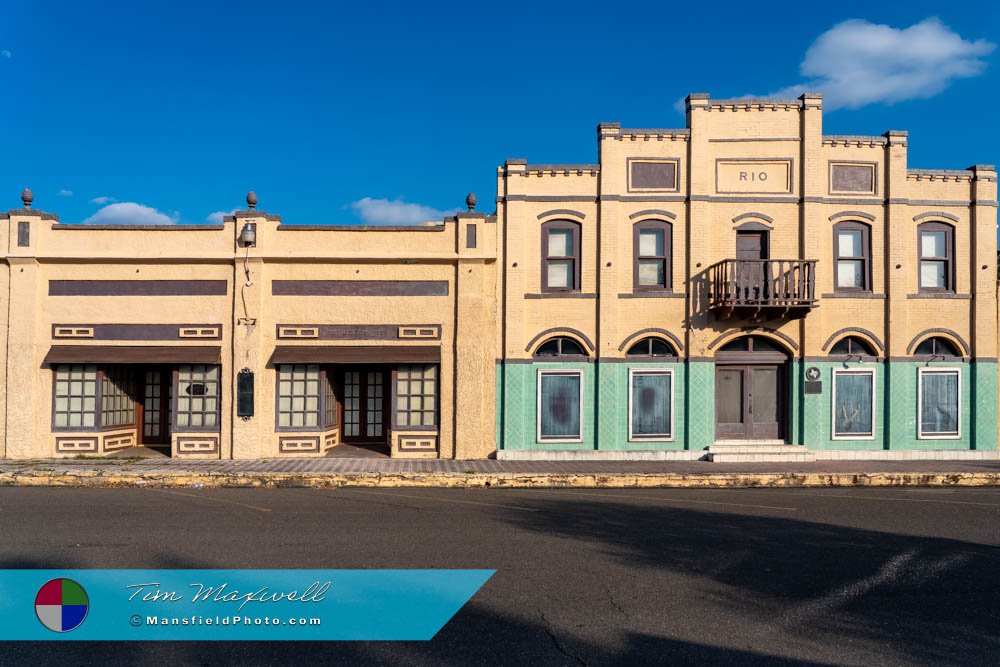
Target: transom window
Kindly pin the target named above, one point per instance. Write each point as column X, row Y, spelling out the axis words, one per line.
column 560, row 347
column 651, row 347
column 940, row 392
column 852, row 346
column 936, row 242
column 416, row 396
column 652, row 247
column 560, row 256
column 651, row 404
column 197, row 397
column 938, row 347
column 852, row 253
column 750, row 344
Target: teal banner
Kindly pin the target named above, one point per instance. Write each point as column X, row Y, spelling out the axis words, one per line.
column 232, row 604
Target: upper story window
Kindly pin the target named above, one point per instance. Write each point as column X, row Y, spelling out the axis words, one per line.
column 852, row 346
column 560, row 347
column 936, row 247
column 651, row 347
column 652, row 241
column 937, row 347
column 560, row 256
column 852, row 256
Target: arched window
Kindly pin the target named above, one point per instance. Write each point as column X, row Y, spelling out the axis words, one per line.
column 936, row 245
column 652, row 243
column 938, row 347
column 751, row 344
column 852, row 346
column 560, row 346
column 560, row 256
column 651, row 347
column 852, row 256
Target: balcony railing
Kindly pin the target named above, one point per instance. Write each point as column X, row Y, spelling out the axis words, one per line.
column 772, row 287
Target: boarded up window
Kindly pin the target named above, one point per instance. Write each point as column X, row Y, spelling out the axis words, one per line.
column 649, row 175
column 23, row 234
column 852, row 178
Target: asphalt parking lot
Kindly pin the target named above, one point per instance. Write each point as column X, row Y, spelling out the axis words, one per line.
column 846, row 576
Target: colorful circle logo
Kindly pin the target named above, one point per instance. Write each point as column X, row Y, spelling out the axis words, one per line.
column 61, row 605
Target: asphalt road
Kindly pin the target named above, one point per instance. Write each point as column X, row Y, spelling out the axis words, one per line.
column 845, row 576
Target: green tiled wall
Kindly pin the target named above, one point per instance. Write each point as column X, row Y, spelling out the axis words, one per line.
column 809, row 415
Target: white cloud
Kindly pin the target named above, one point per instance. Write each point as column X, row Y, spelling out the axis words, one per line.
column 131, row 213
column 396, row 212
column 103, row 200
column 217, row 216
column 5, row 53
column 65, row 193
column 856, row 63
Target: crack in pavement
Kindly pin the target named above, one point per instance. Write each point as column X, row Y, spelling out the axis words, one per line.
column 555, row 640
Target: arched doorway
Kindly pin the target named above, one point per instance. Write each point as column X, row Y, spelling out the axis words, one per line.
column 750, row 390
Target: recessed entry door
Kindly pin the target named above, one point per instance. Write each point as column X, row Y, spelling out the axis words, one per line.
column 749, row 403
column 365, row 410
column 155, row 405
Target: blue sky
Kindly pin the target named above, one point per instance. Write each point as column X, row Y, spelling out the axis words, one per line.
column 386, row 113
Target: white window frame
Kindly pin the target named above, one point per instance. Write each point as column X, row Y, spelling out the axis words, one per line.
column 833, row 405
column 921, row 372
column 538, row 409
column 662, row 437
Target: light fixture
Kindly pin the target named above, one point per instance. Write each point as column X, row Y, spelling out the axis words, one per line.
column 248, row 235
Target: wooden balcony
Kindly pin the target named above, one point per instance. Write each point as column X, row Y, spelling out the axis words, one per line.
column 762, row 288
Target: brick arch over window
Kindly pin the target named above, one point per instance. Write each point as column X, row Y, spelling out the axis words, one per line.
column 653, row 331
column 953, row 336
column 865, row 333
column 852, row 214
column 562, row 212
column 753, row 215
column 773, row 333
column 577, row 335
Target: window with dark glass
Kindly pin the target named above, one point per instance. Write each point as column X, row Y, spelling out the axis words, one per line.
column 652, row 248
column 940, row 389
column 416, row 396
column 329, row 401
column 560, row 256
column 650, row 404
column 852, row 346
column 197, row 397
column 852, row 256
column 560, row 347
column 936, row 241
column 651, row 347
column 853, row 403
column 560, row 397
column 937, row 347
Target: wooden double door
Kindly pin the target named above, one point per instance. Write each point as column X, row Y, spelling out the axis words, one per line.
column 750, row 401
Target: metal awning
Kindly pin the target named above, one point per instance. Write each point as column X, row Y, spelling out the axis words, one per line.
column 133, row 354
column 355, row 354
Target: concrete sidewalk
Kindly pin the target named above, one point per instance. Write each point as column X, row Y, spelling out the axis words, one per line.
column 343, row 472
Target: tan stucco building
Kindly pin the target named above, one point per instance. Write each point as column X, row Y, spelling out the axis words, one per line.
column 745, row 285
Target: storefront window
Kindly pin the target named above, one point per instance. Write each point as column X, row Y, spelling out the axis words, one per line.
column 651, row 404
column 416, row 396
column 939, row 403
column 117, row 397
column 75, row 397
column 298, row 396
column 198, row 397
column 853, row 403
column 560, row 395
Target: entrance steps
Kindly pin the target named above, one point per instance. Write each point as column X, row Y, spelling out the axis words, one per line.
column 757, row 451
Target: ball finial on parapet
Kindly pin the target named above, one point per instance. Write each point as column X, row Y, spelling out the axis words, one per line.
column 470, row 201
column 252, row 200
column 27, row 197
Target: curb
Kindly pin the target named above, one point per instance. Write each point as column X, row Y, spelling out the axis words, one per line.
column 100, row 479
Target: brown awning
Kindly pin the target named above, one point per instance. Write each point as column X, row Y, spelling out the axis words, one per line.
column 133, row 354
column 355, row 354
